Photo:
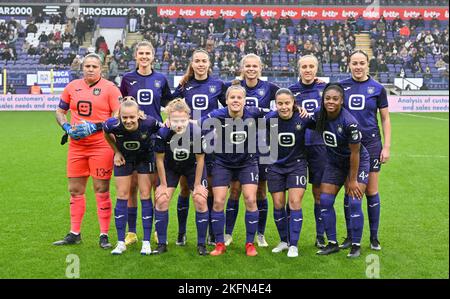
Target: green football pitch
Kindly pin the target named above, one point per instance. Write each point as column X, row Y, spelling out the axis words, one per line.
column 34, row 201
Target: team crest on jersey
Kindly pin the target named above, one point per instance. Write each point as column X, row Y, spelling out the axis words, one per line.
column 212, row 88
column 340, row 129
column 261, row 92
column 96, row 91
column 157, row 84
column 370, row 90
column 298, row 126
column 144, row 136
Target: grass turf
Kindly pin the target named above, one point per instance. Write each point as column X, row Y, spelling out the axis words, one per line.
column 414, row 226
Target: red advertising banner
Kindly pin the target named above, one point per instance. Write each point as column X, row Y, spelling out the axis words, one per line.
column 314, row 13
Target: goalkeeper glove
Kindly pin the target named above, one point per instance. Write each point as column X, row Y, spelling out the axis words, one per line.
column 70, row 131
column 86, row 128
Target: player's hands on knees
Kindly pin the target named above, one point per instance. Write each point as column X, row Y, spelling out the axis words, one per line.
column 385, row 155
column 201, row 191
column 119, row 160
column 161, row 192
column 354, row 190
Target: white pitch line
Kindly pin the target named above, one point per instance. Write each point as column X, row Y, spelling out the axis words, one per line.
column 428, row 117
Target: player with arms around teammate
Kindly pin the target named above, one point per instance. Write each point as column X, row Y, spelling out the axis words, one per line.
column 307, row 92
column 202, row 94
column 236, row 128
column 364, row 98
column 289, row 167
column 151, row 90
column 179, row 153
column 91, row 101
column 259, row 93
column 347, row 165
column 129, row 135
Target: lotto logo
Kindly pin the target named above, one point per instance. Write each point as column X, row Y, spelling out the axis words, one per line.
column 251, row 102
column 329, row 139
column 286, row 139
column 356, row 102
column 310, row 105
column 200, row 102
column 145, row 97
column 238, row 137
column 132, row 145
column 180, row 154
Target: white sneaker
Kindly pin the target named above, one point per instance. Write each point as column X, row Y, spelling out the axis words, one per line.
column 146, row 249
column 120, row 248
column 280, row 247
column 261, row 241
column 228, row 239
column 293, row 251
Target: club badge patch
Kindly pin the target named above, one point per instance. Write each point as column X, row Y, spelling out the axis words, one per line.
column 157, row 84
column 370, row 90
column 212, row 88
column 96, row 91
column 261, row 92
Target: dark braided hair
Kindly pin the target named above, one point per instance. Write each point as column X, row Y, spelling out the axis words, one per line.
column 322, row 119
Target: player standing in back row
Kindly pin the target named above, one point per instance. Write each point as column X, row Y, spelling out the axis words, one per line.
column 151, row 91
column 308, row 92
column 364, row 97
column 203, row 94
column 259, row 93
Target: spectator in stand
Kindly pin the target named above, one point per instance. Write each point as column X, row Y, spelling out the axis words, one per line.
column 360, row 24
column 35, row 89
column 435, row 23
column 76, row 64
column 132, row 19
column 382, row 67
column 11, row 89
column 123, row 66
column 249, row 19
column 404, row 31
column 291, row 48
column 440, row 65
column 31, row 28
column 113, row 70
column 80, row 29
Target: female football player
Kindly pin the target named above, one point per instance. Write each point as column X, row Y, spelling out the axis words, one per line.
column 259, row 93
column 129, row 135
column 288, row 170
column 202, row 93
column 364, row 99
column 347, row 164
column 179, row 153
column 307, row 93
column 91, row 101
column 151, row 90
column 234, row 158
